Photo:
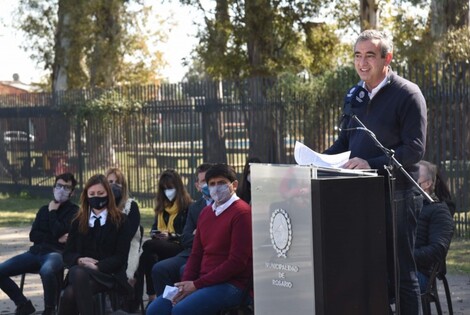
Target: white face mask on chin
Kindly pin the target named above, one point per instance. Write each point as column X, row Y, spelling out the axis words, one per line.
column 170, row 193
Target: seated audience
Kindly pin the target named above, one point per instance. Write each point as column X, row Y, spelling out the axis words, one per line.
column 48, row 233
column 167, row 271
column 97, row 249
column 435, row 225
column 130, row 208
column 219, row 269
column 171, row 208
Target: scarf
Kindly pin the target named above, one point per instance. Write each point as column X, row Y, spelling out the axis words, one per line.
column 173, row 212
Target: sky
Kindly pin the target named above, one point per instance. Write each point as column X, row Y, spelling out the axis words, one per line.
column 13, row 59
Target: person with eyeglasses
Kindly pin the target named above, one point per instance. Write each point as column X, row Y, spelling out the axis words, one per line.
column 49, row 234
column 219, row 270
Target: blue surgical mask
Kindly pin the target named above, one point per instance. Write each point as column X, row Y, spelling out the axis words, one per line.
column 205, row 190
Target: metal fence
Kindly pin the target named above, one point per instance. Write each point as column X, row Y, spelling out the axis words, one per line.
column 144, row 130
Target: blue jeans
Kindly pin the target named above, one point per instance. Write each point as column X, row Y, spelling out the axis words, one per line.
column 47, row 265
column 408, row 205
column 204, row 301
column 423, row 281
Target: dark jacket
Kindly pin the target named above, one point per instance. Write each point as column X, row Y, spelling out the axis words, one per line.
column 49, row 226
column 191, row 224
column 178, row 222
column 111, row 249
column 397, row 116
column 433, row 235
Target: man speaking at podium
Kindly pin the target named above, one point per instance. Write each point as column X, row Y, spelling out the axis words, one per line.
column 394, row 109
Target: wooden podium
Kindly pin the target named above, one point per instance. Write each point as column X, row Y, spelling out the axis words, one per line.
column 318, row 241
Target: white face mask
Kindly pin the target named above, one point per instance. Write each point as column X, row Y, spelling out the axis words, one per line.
column 220, row 193
column 61, row 195
column 170, row 193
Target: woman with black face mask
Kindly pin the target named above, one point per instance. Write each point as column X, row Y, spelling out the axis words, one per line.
column 97, row 249
column 130, row 208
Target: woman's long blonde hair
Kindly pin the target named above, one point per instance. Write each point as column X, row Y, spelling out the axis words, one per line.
column 121, row 180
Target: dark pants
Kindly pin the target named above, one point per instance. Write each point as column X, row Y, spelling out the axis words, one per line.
column 49, row 266
column 408, row 205
column 77, row 297
column 155, row 250
column 167, row 272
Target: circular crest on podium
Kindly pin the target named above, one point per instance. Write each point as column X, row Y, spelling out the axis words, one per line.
column 280, row 230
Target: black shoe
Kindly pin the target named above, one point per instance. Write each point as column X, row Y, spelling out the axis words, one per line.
column 49, row 310
column 25, row 309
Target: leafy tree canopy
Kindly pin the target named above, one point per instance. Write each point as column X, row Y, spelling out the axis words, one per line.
column 101, row 39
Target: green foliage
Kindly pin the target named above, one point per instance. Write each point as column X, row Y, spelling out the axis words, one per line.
column 98, row 43
column 102, row 106
column 456, row 45
column 263, row 38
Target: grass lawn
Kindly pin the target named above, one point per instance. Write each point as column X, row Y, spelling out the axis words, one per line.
column 16, row 211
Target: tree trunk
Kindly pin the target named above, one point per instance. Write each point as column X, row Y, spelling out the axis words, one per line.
column 369, row 15
column 62, row 46
column 106, row 54
column 214, row 150
column 263, row 128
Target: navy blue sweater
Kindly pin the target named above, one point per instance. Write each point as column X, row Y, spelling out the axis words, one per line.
column 397, row 116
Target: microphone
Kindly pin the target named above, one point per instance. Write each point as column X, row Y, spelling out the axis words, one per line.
column 356, row 97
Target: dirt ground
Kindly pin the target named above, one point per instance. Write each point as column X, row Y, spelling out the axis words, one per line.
column 15, row 240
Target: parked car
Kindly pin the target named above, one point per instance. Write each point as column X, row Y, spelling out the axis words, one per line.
column 16, row 136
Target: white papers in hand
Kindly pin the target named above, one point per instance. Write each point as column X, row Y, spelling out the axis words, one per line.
column 169, row 292
column 305, row 156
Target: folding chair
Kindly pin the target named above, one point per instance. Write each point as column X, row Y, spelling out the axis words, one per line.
column 431, row 294
column 60, row 281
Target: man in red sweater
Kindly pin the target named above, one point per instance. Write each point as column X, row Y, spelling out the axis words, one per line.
column 220, row 267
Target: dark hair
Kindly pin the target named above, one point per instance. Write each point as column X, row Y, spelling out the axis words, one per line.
column 244, row 189
column 114, row 214
column 443, row 193
column 203, row 168
column 66, row 177
column 222, row 170
column 171, row 178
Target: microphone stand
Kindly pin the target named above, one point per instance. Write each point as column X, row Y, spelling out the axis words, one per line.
column 390, row 168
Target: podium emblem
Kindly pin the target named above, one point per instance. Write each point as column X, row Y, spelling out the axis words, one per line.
column 280, row 230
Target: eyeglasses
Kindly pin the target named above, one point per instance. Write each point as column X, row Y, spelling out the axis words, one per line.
column 64, row 187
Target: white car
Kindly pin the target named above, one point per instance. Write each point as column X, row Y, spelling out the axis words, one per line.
column 17, row 136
